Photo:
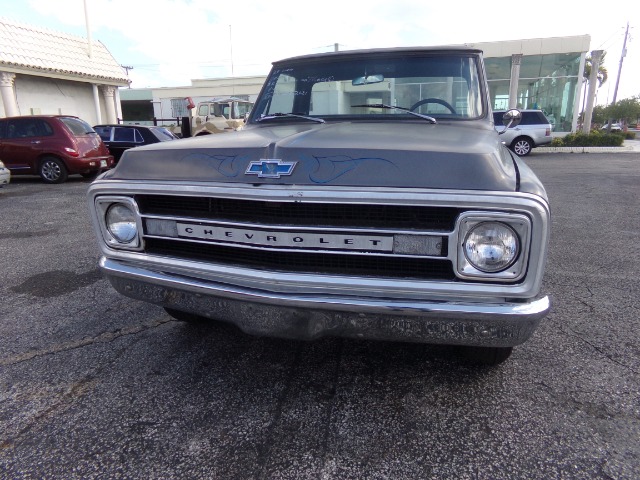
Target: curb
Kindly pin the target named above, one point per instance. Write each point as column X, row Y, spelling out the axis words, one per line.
column 584, row 149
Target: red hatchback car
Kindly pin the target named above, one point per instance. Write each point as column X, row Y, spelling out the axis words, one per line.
column 52, row 146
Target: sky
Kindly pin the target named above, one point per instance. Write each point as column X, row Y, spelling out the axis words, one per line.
column 170, row 42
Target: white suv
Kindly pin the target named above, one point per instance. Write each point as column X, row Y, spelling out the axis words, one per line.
column 534, row 130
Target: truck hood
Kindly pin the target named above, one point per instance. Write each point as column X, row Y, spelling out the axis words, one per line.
column 361, row 154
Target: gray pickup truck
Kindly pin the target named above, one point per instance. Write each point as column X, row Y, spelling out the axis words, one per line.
column 368, row 196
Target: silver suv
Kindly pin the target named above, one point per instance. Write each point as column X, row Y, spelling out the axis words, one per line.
column 534, row 130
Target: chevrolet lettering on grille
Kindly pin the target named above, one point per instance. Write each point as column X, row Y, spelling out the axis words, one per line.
column 288, row 239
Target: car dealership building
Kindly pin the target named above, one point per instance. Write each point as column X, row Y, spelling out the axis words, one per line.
column 539, row 73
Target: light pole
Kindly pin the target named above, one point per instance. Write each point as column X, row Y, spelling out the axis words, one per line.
column 615, row 90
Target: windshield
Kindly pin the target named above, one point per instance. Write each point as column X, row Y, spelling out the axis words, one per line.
column 77, row 126
column 162, row 134
column 443, row 86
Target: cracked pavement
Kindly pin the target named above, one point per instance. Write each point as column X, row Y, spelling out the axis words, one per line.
column 95, row 385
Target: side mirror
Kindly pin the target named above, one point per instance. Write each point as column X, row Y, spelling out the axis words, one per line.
column 511, row 118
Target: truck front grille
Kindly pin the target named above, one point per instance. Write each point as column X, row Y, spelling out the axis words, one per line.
column 291, row 216
column 305, row 262
column 301, row 214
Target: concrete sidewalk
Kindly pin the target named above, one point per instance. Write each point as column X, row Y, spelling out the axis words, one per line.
column 629, row 146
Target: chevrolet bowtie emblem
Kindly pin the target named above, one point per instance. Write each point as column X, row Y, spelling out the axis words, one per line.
column 267, row 168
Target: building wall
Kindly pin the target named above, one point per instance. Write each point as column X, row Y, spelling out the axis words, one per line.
column 201, row 90
column 50, row 96
column 534, row 46
column 246, row 88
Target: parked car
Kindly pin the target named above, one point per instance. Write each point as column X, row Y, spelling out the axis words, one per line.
column 615, row 127
column 5, row 175
column 52, row 146
column 534, row 130
column 368, row 196
column 119, row 138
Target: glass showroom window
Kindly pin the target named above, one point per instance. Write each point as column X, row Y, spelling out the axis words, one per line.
column 549, row 83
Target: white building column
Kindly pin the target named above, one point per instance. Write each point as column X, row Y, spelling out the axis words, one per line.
column 578, row 94
column 96, row 103
column 8, row 94
column 596, row 56
column 108, row 91
column 516, row 60
column 118, row 105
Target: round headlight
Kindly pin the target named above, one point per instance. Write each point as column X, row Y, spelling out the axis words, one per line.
column 491, row 246
column 121, row 222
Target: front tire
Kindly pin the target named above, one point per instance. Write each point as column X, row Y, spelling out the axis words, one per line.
column 52, row 170
column 489, row 356
column 522, row 146
column 90, row 175
column 186, row 316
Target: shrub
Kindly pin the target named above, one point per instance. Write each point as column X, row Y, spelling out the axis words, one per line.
column 593, row 139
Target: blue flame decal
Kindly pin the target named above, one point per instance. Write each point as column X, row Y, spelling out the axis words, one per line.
column 223, row 164
column 330, row 168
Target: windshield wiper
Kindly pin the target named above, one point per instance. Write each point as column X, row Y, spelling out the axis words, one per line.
column 383, row 105
column 280, row 115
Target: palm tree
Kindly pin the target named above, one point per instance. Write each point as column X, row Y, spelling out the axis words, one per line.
column 602, row 76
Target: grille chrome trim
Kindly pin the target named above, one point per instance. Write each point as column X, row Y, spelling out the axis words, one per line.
column 531, row 205
column 285, row 218
column 399, row 238
column 322, row 263
column 287, row 212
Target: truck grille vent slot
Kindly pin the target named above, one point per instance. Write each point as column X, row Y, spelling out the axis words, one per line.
column 303, row 262
column 301, row 214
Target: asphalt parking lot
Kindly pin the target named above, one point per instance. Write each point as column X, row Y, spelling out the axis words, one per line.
column 95, row 385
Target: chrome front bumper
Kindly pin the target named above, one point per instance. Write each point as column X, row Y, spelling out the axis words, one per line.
column 309, row 317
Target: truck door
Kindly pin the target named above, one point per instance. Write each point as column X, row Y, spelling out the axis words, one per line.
column 202, row 114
